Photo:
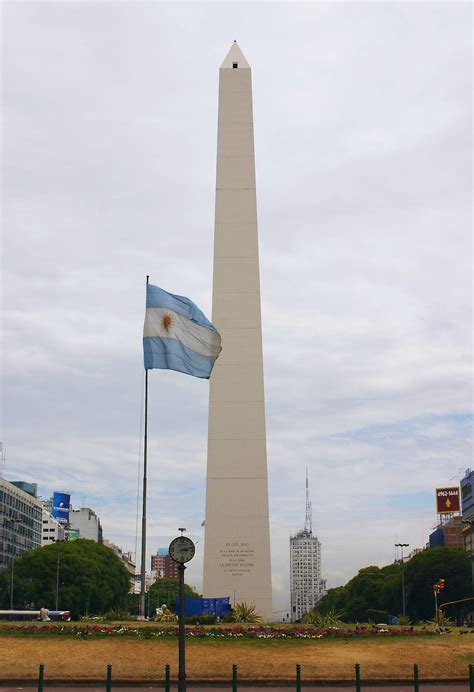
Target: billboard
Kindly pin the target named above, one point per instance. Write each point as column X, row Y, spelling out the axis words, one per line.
column 61, row 504
column 73, row 534
column 447, row 500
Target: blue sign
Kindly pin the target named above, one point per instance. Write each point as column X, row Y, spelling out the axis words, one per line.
column 61, row 505
column 204, row 606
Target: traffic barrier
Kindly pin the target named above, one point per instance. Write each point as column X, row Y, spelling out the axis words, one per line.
column 298, row 684
column 357, row 676
column 416, row 682
column 298, row 677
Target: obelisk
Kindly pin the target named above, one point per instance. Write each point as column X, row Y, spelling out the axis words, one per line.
column 237, row 534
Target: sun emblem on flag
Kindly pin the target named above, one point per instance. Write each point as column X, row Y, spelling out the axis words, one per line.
column 167, row 321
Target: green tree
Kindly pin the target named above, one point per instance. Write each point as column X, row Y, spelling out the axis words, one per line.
column 333, row 601
column 166, row 590
column 92, row 579
column 375, row 591
column 425, row 569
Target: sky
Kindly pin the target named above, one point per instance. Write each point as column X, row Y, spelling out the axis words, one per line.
column 363, row 118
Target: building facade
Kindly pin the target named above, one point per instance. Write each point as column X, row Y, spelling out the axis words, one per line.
column 86, row 521
column 52, row 530
column 306, row 585
column 448, row 534
column 163, row 566
column 127, row 561
column 467, row 508
column 20, row 521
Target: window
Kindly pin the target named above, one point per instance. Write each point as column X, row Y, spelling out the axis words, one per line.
column 235, row 65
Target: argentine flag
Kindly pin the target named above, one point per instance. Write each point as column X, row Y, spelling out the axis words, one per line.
column 177, row 335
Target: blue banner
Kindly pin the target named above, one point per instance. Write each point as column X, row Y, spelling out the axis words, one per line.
column 61, row 505
column 204, row 606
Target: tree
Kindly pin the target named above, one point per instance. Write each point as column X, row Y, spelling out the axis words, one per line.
column 92, row 579
column 166, row 590
column 376, row 592
column 425, row 569
column 333, row 601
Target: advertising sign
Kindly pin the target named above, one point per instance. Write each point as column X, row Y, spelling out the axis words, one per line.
column 447, row 500
column 61, row 504
column 73, row 534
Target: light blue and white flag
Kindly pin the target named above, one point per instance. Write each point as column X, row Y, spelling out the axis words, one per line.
column 177, row 335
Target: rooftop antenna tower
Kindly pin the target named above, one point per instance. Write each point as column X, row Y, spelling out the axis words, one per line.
column 308, row 522
column 3, row 457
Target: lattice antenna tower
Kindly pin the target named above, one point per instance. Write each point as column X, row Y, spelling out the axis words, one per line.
column 308, row 522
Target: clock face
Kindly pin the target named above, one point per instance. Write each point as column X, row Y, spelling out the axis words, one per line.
column 182, row 549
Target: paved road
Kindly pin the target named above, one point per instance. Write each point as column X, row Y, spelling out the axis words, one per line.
column 394, row 687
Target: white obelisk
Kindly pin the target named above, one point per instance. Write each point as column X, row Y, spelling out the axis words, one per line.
column 237, row 535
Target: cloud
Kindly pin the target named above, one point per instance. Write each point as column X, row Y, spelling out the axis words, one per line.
column 363, row 152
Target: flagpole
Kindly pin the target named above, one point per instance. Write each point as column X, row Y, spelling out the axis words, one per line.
column 145, row 456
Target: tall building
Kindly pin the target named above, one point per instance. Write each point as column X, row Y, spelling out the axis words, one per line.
column 467, row 507
column 52, row 530
column 20, row 520
column 127, row 561
column 163, row 566
column 306, row 585
column 86, row 521
column 448, row 534
column 237, row 534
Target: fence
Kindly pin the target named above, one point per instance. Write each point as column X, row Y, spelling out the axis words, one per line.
column 297, row 681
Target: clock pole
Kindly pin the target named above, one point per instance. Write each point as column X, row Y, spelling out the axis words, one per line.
column 182, row 632
column 181, row 550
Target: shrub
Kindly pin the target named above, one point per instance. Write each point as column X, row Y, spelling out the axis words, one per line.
column 242, row 612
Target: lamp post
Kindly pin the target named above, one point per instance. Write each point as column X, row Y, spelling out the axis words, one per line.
column 57, row 577
column 401, row 546
column 11, row 524
column 11, row 583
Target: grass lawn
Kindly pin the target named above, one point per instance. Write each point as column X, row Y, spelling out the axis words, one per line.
column 440, row 657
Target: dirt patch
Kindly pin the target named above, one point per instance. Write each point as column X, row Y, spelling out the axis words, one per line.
column 66, row 659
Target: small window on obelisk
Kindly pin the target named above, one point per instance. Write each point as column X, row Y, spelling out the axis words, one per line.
column 235, row 65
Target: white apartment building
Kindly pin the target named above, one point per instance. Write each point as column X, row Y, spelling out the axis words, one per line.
column 86, row 521
column 127, row 561
column 306, row 585
column 52, row 530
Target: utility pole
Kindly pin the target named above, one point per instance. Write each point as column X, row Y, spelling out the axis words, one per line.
column 11, row 583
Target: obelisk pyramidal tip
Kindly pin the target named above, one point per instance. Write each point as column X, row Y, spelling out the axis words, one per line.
column 237, row 535
column 235, row 55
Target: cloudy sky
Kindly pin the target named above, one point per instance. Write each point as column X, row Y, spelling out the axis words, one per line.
column 363, row 153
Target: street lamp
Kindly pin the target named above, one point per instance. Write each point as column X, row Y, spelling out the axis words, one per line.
column 12, row 524
column 401, row 546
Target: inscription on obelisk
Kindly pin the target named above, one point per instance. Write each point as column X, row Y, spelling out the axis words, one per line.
column 237, row 536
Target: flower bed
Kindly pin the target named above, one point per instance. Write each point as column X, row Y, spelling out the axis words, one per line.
column 198, row 632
